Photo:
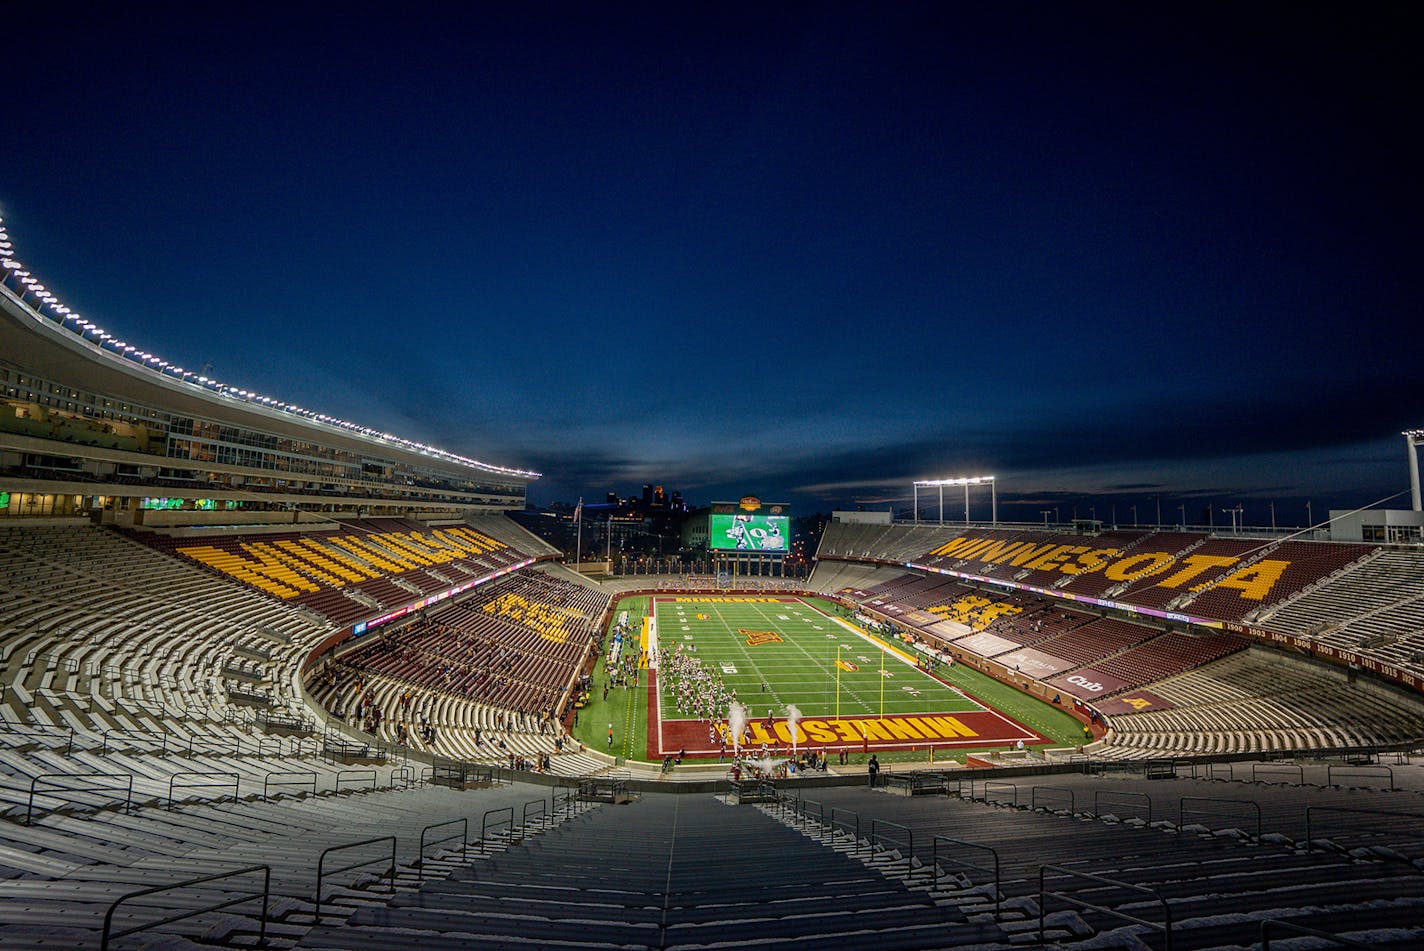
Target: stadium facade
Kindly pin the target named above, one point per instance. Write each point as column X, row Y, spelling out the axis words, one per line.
column 91, row 423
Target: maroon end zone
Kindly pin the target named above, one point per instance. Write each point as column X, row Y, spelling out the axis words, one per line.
column 976, row 728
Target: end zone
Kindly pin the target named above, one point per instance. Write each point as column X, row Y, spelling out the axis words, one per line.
column 963, row 729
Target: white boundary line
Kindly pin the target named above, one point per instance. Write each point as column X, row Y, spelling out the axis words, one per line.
column 1013, row 724
column 896, row 656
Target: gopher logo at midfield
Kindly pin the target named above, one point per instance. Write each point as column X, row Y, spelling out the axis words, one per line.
column 757, row 638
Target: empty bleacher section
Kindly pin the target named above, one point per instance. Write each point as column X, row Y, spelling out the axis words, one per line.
column 120, row 643
column 667, row 872
column 1123, row 861
column 64, row 864
column 1291, row 566
column 1375, row 607
column 832, row 577
column 99, row 633
column 515, row 644
column 482, row 679
column 356, row 571
column 1218, row 577
column 1343, row 596
column 1260, row 701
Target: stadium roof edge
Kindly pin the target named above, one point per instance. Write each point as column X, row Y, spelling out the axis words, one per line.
column 60, row 343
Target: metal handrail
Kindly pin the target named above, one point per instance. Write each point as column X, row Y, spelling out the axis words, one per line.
column 354, row 776
column 268, row 781
column 855, row 830
column 463, row 835
column 996, row 782
column 1211, row 769
column 934, row 865
column 1165, row 927
column 266, row 871
column 1033, row 796
column 524, row 814
column 484, row 824
column 199, row 774
column 49, row 779
column 321, row 865
column 875, row 825
column 1182, row 808
column 1363, row 769
column 1098, row 796
column 1347, row 810
column 1260, row 768
column 1275, row 923
column 803, row 809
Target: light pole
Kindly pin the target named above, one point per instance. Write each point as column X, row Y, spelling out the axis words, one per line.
column 1044, row 513
column 1183, row 509
column 1309, row 518
column 966, row 482
column 1233, row 512
column 1134, row 516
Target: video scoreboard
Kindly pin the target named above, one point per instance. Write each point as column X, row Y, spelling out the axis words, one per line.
column 749, row 526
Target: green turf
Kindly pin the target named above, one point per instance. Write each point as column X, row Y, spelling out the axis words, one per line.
column 800, row 670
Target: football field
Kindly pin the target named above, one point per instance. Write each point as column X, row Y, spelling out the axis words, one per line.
column 852, row 690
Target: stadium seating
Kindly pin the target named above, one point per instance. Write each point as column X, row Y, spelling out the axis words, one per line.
column 1085, row 851
column 485, row 673
column 1309, row 563
column 124, row 661
column 832, row 576
column 1095, row 640
column 363, row 568
column 1349, row 596
column 1170, row 653
column 1157, row 590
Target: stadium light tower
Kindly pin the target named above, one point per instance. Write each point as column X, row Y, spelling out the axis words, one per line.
column 1413, row 439
column 966, row 481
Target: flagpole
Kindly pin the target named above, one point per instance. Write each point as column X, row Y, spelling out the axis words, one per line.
column 578, row 517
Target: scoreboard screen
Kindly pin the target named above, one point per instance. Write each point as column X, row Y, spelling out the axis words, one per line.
column 746, row 532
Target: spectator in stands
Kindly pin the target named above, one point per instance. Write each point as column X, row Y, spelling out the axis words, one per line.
column 874, row 768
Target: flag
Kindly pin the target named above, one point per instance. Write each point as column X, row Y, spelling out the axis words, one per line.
column 578, row 509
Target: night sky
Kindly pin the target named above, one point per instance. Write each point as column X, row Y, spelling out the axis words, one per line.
column 812, row 254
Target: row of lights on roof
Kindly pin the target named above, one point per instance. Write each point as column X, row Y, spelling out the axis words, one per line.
column 72, row 321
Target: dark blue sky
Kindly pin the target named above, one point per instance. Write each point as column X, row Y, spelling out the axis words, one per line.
column 812, row 253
